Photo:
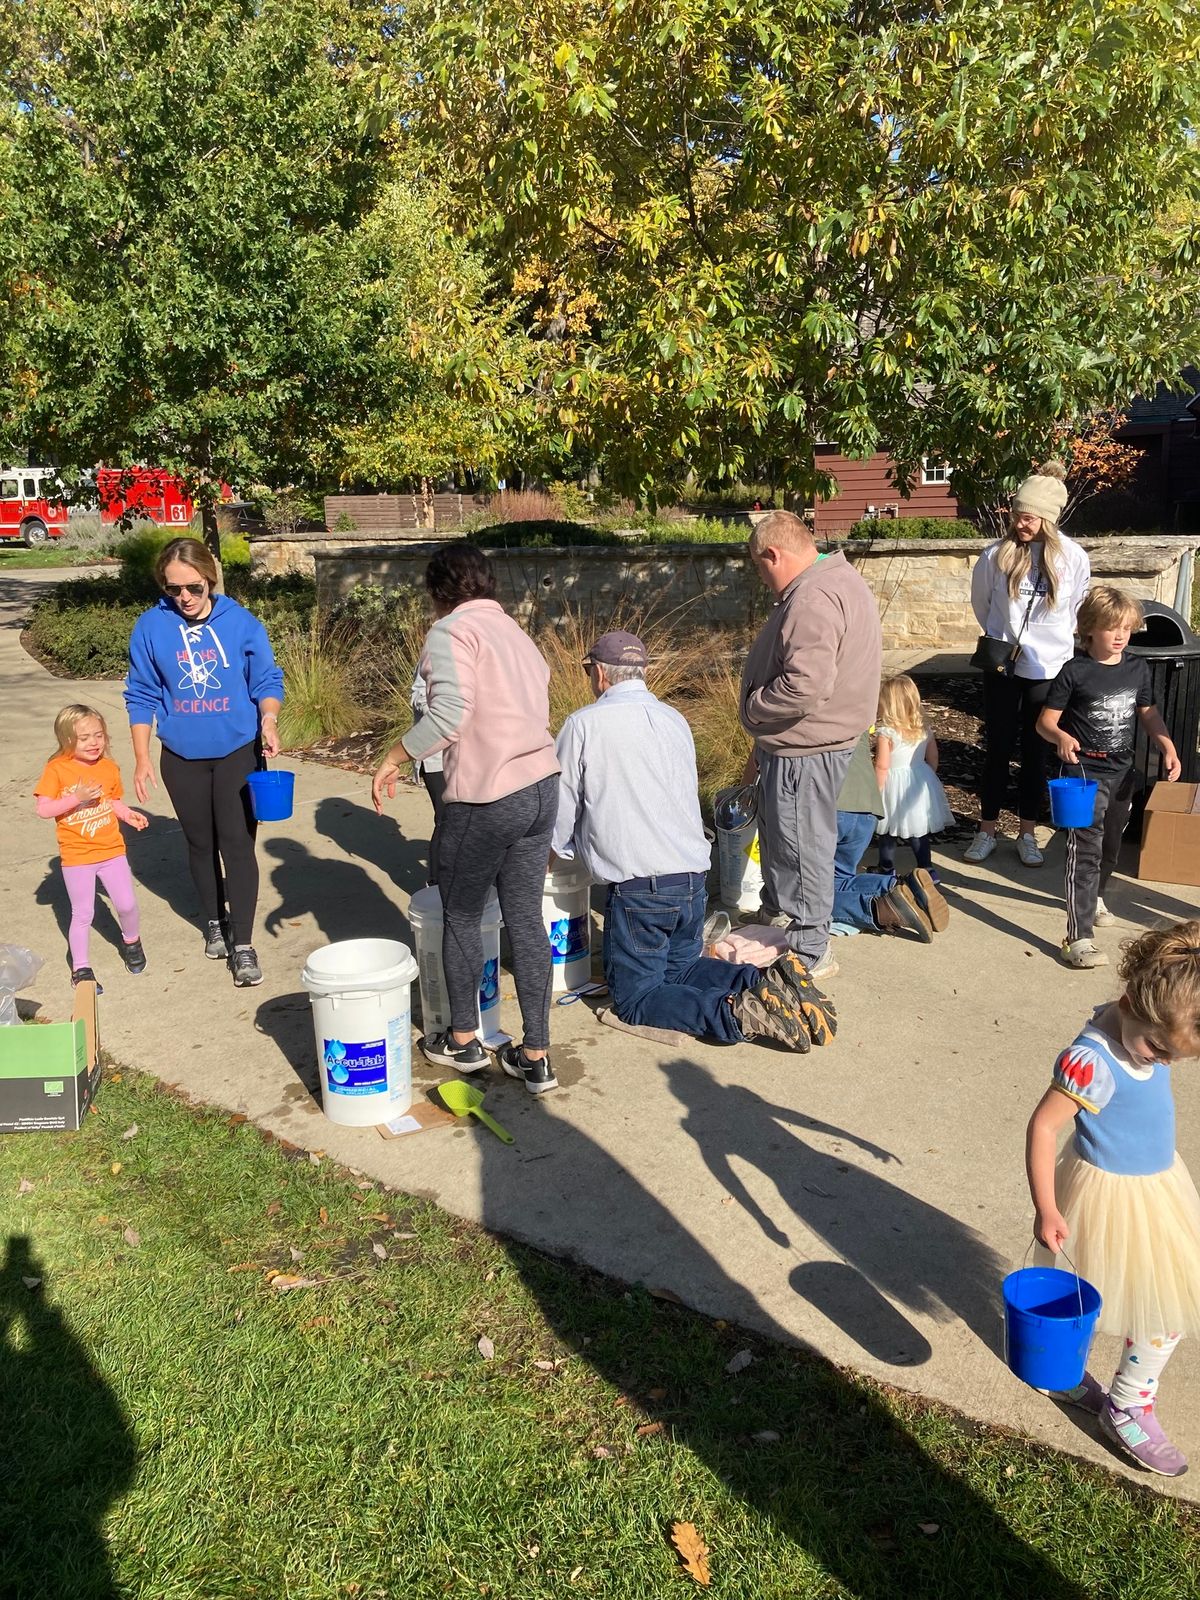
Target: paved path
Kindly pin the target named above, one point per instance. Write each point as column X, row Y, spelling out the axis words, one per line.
column 864, row 1201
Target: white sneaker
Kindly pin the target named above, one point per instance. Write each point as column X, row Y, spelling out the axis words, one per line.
column 1104, row 917
column 980, row 847
column 1027, row 849
column 827, row 967
column 1083, row 954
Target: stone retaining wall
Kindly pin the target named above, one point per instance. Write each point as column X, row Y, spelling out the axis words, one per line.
column 923, row 586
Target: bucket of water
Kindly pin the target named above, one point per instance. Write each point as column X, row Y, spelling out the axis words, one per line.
column 1072, row 802
column 425, row 919
column 271, row 795
column 1049, row 1319
column 360, row 990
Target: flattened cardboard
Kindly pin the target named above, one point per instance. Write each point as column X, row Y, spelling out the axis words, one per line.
column 1170, row 851
column 419, row 1118
column 49, row 1072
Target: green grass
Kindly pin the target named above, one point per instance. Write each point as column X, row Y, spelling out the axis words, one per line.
column 15, row 557
column 176, row 1429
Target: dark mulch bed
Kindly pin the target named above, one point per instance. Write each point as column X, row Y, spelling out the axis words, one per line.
column 354, row 752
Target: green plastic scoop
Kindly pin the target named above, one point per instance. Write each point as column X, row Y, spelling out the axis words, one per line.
column 466, row 1101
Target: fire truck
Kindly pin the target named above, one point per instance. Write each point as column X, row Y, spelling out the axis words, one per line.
column 145, row 494
column 31, row 507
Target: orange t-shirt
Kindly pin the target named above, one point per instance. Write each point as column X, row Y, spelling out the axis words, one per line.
column 89, row 833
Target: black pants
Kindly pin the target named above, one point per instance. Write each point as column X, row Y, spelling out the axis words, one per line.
column 504, row 842
column 435, row 787
column 1092, row 852
column 921, row 849
column 212, row 801
column 1011, row 707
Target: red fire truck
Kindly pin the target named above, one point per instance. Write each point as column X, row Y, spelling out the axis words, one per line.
column 147, row 494
column 30, row 508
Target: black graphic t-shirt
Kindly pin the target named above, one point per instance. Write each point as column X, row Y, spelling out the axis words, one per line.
column 1099, row 704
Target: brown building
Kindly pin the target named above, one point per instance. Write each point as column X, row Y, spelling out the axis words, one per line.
column 868, row 489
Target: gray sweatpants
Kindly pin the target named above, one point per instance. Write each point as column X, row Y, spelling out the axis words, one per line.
column 797, row 840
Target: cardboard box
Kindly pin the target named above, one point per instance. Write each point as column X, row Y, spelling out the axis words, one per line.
column 49, row 1072
column 1170, row 850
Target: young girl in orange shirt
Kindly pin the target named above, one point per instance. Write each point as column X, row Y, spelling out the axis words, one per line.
column 80, row 788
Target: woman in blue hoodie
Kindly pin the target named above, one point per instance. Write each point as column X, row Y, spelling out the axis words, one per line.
column 201, row 667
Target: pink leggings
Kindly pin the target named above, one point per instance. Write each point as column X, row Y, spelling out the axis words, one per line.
column 116, row 877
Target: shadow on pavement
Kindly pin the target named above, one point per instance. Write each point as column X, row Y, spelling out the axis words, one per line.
column 842, row 1479
column 345, row 901
column 69, row 1450
column 357, row 831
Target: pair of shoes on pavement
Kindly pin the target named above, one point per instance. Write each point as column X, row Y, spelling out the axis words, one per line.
column 132, row 954
column 914, row 904
column 445, row 1051
column 242, row 958
column 786, row 1006
column 1136, row 1431
column 984, row 844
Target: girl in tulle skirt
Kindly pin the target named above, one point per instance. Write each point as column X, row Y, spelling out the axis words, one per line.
column 1119, row 1191
column 906, row 760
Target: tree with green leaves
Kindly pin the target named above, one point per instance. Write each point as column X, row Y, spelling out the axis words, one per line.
column 210, row 258
column 756, row 224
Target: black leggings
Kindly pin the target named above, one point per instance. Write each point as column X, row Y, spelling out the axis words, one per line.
column 212, row 801
column 1011, row 707
column 435, row 787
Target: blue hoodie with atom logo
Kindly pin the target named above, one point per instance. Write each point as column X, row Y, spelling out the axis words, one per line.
column 202, row 682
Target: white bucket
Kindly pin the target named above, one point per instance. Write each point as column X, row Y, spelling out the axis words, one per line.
column 425, row 919
column 360, row 992
column 737, row 854
column 566, row 911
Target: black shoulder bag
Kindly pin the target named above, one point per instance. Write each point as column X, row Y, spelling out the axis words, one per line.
column 997, row 655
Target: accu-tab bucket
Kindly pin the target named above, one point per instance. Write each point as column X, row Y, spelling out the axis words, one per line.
column 1050, row 1317
column 566, row 911
column 360, row 991
column 425, row 919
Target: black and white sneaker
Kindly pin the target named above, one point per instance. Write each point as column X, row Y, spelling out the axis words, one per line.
column 134, row 956
column 216, row 947
column 243, row 963
column 537, row 1076
column 82, row 975
column 445, row 1051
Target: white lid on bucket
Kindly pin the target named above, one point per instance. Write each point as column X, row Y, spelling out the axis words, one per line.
column 371, row 964
column 425, row 909
column 567, row 876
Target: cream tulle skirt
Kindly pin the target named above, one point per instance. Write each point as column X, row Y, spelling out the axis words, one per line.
column 1137, row 1239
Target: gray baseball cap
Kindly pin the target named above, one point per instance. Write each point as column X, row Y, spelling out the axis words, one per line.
column 617, row 649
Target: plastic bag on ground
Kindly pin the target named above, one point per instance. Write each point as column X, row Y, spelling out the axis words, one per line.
column 18, row 968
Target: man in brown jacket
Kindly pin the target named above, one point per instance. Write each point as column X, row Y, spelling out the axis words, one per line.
column 810, row 689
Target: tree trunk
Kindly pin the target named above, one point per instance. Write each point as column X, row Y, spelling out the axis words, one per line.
column 212, row 534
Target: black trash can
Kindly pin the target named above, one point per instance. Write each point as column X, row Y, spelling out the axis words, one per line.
column 1172, row 652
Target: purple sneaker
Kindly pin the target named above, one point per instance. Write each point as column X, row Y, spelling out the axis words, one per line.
column 1137, row 1433
column 1088, row 1395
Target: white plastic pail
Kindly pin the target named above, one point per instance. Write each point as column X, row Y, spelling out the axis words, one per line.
column 425, row 919
column 362, row 1018
column 737, row 855
column 566, row 911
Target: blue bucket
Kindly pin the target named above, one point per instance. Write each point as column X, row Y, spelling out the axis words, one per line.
column 271, row 795
column 1049, row 1319
column 1072, row 802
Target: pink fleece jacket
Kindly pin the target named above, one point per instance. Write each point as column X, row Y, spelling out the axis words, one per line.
column 489, row 707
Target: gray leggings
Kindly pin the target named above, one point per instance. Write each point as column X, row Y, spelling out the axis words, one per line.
column 504, row 842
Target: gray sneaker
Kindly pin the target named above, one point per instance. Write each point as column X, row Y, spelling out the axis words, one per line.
column 216, row 947
column 243, row 963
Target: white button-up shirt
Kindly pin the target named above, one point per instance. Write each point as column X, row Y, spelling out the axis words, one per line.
column 628, row 806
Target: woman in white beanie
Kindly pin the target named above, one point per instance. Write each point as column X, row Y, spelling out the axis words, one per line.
column 1025, row 590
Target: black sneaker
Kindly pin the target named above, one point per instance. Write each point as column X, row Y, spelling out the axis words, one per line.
column 134, row 956
column 769, row 1012
column 817, row 1011
column 537, row 1076
column 245, row 968
column 82, row 975
column 216, row 947
column 445, row 1051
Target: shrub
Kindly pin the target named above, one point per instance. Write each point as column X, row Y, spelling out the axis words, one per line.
column 891, row 528
column 317, row 700
column 382, row 632
column 722, row 744
column 543, row 534
column 137, row 552
column 86, row 639
column 235, row 553
column 676, row 666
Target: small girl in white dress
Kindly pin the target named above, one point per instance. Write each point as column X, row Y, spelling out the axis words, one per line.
column 906, row 758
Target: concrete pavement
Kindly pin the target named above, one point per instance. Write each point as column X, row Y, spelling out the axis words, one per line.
column 863, row 1201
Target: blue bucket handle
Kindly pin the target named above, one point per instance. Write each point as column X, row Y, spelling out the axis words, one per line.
column 1070, row 1263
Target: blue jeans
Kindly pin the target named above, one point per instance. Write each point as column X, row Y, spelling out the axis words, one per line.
column 854, row 892
column 656, row 974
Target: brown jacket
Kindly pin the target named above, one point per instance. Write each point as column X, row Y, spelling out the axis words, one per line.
column 811, row 680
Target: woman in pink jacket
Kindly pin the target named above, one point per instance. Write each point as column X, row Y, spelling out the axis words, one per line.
column 489, row 713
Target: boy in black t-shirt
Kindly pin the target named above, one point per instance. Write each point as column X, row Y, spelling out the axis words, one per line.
column 1091, row 717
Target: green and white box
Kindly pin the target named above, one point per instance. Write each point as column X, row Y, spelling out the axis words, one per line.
column 49, row 1073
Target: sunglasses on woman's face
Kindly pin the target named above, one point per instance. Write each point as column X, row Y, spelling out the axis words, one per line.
column 176, row 589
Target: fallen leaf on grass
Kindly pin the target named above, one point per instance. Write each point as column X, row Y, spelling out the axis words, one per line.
column 600, row 1452
column 656, row 1394
column 575, row 1571
column 739, row 1362
column 765, row 1436
column 378, row 1250
column 378, row 1216
column 323, row 1214
column 131, row 1132
column 236, row 1120
column 24, row 1187
column 404, row 1236
column 314, row 1157
column 930, row 1527
column 275, row 1208
column 648, row 1429
column 31, row 1283
column 244, row 1266
column 485, row 1347
column 132, row 1237
column 693, row 1551
column 319, row 1322
column 283, row 1281
column 665, row 1294
column 114, row 1077
column 296, row 1255
column 115, row 1168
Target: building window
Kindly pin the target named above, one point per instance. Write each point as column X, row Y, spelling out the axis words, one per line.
column 934, row 471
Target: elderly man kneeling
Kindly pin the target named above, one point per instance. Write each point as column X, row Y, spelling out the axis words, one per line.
column 628, row 812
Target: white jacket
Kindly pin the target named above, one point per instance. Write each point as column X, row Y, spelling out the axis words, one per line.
column 1048, row 641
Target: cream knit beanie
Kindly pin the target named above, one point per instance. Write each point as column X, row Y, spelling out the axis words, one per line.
column 1044, row 494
